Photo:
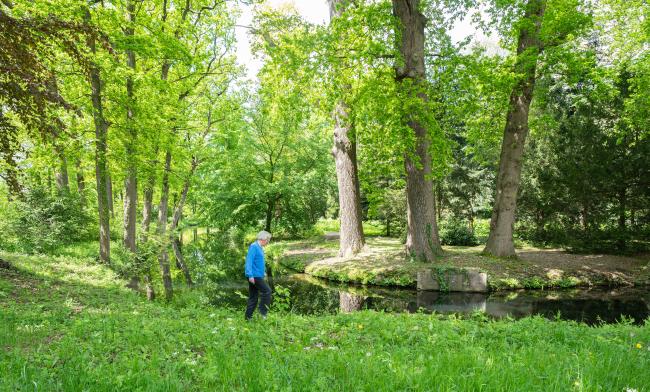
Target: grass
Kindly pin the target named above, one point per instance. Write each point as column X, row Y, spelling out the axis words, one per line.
column 70, row 325
column 370, row 228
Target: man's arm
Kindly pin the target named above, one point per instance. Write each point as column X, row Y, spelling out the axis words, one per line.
column 248, row 267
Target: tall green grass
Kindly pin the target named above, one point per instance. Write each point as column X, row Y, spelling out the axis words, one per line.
column 70, row 326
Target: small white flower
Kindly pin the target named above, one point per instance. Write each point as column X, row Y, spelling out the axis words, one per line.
column 630, row 390
column 368, row 354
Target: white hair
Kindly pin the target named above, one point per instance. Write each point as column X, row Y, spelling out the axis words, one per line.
column 264, row 235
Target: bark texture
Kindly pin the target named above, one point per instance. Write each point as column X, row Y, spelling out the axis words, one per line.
column 101, row 173
column 81, row 182
column 344, row 151
column 422, row 239
column 147, row 209
column 500, row 241
column 130, row 182
column 163, row 258
column 62, row 178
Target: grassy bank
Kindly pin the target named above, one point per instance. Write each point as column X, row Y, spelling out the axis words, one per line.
column 383, row 262
column 67, row 325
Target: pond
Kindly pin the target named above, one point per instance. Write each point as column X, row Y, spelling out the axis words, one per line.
column 303, row 294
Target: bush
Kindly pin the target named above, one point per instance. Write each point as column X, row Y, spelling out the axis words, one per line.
column 482, row 230
column 456, row 232
column 43, row 222
column 218, row 257
column 127, row 265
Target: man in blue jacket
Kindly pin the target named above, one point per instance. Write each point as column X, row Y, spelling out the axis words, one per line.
column 255, row 270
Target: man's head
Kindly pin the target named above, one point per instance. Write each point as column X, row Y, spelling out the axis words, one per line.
column 263, row 237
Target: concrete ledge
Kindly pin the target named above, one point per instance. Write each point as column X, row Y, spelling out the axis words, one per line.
column 453, row 279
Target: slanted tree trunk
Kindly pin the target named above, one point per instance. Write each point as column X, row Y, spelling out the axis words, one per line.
column 500, row 242
column 101, row 174
column 422, row 236
column 130, row 182
column 345, row 156
column 163, row 258
column 180, row 260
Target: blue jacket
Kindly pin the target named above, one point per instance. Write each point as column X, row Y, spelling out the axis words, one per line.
column 255, row 267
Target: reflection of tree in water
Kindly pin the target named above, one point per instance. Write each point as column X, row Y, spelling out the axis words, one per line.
column 310, row 299
column 349, row 302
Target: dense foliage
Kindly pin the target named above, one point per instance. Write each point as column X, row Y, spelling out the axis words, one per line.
column 148, row 97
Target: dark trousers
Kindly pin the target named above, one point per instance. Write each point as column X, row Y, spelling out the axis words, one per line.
column 254, row 291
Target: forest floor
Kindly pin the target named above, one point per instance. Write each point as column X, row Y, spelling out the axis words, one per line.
column 69, row 324
column 384, row 262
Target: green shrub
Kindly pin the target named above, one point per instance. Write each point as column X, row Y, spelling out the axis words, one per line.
column 126, row 264
column 456, row 232
column 482, row 230
column 218, row 256
column 42, row 221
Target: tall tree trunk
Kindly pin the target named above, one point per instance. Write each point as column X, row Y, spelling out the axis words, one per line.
column 62, row 179
column 422, row 239
column 9, row 144
column 270, row 208
column 622, row 206
column 101, row 136
column 180, row 260
column 146, row 221
column 11, row 178
column 130, row 182
column 344, row 151
column 147, row 210
column 163, row 258
column 109, row 193
column 500, row 242
column 81, row 182
column 438, row 196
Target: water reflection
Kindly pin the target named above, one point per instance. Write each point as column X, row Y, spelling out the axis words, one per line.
column 349, row 302
column 310, row 296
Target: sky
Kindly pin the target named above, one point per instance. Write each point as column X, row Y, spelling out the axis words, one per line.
column 317, row 11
